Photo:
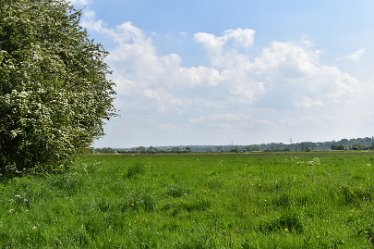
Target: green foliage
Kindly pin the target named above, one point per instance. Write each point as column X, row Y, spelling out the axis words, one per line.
column 54, row 93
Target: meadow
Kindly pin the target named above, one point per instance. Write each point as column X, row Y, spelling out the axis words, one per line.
column 254, row 200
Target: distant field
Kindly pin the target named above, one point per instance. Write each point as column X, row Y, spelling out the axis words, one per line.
column 256, row 200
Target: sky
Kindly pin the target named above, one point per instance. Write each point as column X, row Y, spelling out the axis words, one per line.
column 216, row 72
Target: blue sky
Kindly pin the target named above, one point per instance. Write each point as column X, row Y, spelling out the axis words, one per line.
column 216, row 72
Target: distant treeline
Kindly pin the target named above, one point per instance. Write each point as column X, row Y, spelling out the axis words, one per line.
column 366, row 143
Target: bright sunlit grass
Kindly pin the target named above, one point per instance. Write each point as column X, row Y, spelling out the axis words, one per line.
column 258, row 200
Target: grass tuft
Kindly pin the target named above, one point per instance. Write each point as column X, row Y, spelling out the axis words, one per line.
column 197, row 205
column 282, row 201
column 368, row 233
column 139, row 200
column 176, row 191
column 354, row 195
column 135, row 170
column 288, row 222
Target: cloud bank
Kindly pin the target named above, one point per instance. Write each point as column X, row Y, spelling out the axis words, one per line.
column 355, row 56
column 284, row 90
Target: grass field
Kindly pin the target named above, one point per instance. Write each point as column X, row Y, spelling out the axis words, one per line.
column 257, row 200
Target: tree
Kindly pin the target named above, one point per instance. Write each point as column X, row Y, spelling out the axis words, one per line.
column 54, row 91
column 152, row 150
column 188, row 150
column 141, row 149
column 176, row 149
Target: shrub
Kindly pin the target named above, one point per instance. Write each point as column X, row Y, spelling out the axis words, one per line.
column 54, row 93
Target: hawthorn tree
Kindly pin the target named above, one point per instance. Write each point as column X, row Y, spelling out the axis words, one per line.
column 54, row 91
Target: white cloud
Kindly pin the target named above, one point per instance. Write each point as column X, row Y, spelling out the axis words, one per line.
column 241, row 37
column 216, row 46
column 355, row 56
column 285, row 86
column 79, row 2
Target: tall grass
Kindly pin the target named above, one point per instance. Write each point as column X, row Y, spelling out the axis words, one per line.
column 258, row 200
